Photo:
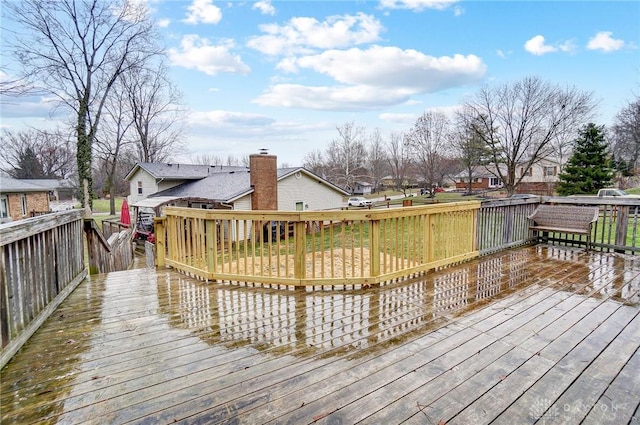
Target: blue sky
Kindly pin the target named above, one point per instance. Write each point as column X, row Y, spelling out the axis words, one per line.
column 283, row 75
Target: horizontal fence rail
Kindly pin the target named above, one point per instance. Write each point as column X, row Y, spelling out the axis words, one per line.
column 41, row 262
column 308, row 248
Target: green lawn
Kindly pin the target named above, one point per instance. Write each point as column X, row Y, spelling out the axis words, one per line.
column 102, row 205
column 101, row 210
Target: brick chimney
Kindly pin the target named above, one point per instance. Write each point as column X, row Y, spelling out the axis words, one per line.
column 264, row 180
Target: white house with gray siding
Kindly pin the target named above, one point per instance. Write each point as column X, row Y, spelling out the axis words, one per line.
column 208, row 187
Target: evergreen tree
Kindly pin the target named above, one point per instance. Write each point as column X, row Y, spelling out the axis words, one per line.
column 589, row 168
column 29, row 166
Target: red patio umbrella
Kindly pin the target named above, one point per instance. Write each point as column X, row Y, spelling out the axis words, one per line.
column 125, row 217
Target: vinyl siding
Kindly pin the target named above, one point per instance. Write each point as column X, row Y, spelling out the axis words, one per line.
column 299, row 187
column 148, row 186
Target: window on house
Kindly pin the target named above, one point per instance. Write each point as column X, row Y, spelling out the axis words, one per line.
column 139, row 188
column 494, row 181
column 4, row 206
column 550, row 171
column 23, row 203
column 524, row 172
column 299, row 206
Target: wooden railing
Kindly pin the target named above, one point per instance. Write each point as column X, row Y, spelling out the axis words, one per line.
column 41, row 262
column 113, row 225
column 337, row 248
column 108, row 254
column 503, row 224
column 617, row 228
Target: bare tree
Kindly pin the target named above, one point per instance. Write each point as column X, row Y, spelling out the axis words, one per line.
column 346, row 157
column 51, row 152
column 378, row 163
column 472, row 150
column 112, row 138
column 158, row 117
column 76, row 50
column 12, row 86
column 399, row 161
column 626, row 135
column 519, row 122
column 314, row 162
column 428, row 143
column 207, row 159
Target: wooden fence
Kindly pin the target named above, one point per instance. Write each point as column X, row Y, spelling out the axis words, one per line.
column 617, row 228
column 313, row 248
column 108, row 255
column 504, row 224
column 113, row 225
column 41, row 262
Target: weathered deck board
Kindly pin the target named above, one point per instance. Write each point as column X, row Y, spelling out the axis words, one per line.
column 509, row 337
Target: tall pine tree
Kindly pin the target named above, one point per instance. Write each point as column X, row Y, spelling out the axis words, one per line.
column 589, row 168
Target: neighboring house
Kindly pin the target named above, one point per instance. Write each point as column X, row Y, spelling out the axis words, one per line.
column 21, row 199
column 362, row 188
column 59, row 190
column 260, row 187
column 148, row 178
column 482, row 178
column 541, row 178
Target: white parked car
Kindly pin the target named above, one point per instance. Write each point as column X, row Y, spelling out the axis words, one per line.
column 358, row 201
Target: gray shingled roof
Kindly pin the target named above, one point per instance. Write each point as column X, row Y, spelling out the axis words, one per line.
column 9, row 185
column 52, row 184
column 185, row 171
column 221, row 187
column 226, row 186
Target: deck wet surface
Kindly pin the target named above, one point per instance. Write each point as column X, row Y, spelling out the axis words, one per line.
column 540, row 334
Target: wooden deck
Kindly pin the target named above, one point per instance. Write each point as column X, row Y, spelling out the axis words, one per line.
column 536, row 335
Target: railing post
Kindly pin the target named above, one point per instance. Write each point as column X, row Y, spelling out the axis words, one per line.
column 374, row 255
column 430, row 245
column 299, row 265
column 622, row 225
column 159, row 232
column 210, row 245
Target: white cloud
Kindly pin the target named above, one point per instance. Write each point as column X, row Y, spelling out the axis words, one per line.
column 29, row 107
column 372, row 78
column 220, row 118
column 303, row 35
column 458, row 11
column 398, row 118
column 416, row 5
column 501, row 53
column 394, row 68
column 203, row 11
column 163, row 23
column 536, row 46
column 338, row 98
column 605, row 42
column 568, row 46
column 197, row 53
column 265, row 7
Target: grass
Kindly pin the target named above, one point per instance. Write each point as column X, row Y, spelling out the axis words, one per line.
column 101, row 210
column 102, row 205
column 633, row 191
